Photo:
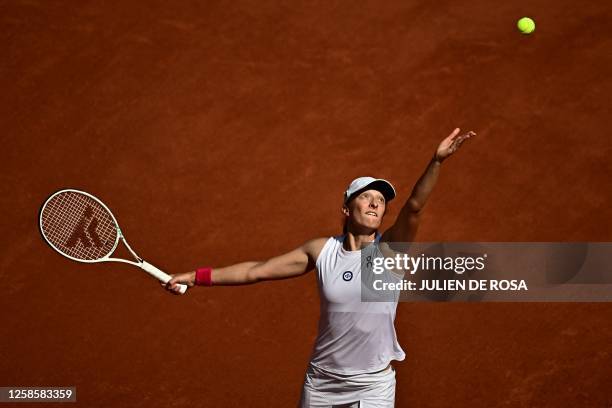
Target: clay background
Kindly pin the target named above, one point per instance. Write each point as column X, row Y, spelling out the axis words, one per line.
column 220, row 132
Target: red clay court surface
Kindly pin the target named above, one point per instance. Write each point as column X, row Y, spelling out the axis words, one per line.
column 225, row 132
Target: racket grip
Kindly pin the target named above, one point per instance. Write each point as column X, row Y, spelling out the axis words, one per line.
column 161, row 275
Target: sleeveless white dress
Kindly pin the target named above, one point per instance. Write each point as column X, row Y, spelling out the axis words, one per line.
column 356, row 340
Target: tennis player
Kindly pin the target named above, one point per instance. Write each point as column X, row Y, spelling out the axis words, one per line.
column 350, row 364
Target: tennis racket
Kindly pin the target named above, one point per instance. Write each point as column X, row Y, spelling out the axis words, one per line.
column 79, row 226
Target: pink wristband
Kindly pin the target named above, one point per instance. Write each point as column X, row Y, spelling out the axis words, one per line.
column 204, row 276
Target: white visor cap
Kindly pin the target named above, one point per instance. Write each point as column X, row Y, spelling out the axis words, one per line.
column 361, row 184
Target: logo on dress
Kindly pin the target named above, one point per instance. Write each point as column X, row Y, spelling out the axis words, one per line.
column 347, row 276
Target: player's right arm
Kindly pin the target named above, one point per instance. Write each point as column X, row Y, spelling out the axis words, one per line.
column 289, row 265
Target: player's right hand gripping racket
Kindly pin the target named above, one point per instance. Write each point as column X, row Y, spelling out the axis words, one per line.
column 80, row 227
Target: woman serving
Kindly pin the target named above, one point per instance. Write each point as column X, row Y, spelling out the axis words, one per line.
column 350, row 363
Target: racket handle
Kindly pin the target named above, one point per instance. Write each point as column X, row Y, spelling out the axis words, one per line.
column 161, row 275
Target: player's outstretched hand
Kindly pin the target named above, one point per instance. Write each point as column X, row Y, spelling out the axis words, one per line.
column 451, row 144
column 185, row 278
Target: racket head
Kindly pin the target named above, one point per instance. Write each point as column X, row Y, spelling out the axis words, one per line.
column 79, row 226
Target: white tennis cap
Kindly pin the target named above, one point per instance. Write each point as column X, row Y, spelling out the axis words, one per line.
column 361, row 184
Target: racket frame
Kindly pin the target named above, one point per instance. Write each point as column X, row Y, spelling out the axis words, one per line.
column 141, row 263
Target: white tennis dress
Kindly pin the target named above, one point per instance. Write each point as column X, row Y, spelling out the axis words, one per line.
column 356, row 340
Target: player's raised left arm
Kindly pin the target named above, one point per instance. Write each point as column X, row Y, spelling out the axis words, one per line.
column 405, row 227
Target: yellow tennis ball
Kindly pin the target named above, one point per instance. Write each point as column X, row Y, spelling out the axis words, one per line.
column 526, row 25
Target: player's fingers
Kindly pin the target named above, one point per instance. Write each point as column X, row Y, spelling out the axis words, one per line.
column 463, row 137
column 170, row 285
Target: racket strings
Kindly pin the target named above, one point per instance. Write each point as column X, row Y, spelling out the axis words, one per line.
column 78, row 226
